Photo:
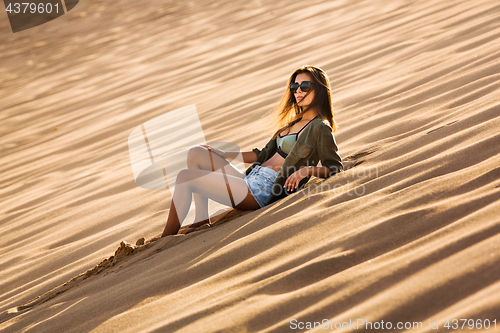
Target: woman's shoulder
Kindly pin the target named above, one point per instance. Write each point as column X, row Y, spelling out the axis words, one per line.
column 317, row 128
column 321, row 124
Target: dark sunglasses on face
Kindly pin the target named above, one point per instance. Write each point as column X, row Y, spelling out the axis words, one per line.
column 305, row 86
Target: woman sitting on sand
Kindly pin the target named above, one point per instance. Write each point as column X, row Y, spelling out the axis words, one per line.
column 305, row 137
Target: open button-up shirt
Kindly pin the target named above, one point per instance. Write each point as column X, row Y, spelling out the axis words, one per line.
column 315, row 143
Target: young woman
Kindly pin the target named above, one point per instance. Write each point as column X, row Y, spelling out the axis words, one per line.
column 304, row 136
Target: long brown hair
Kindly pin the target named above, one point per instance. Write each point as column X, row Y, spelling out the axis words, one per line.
column 287, row 113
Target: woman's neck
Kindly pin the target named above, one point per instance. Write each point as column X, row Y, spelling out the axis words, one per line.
column 309, row 114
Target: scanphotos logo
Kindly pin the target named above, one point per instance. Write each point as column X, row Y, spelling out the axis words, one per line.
column 27, row 14
column 363, row 324
column 350, row 187
column 159, row 147
column 159, row 151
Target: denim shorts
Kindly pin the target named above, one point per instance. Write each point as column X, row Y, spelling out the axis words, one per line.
column 260, row 183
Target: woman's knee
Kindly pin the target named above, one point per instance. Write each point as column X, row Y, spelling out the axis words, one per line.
column 183, row 177
column 194, row 155
column 189, row 177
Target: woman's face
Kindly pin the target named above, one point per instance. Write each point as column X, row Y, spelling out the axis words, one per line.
column 300, row 96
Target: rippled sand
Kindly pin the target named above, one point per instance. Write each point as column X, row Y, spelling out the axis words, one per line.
column 410, row 233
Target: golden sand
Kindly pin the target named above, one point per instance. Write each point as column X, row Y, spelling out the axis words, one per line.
column 409, row 233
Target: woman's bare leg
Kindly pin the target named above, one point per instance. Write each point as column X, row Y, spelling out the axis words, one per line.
column 199, row 159
column 210, row 185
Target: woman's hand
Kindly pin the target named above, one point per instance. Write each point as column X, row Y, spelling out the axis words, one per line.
column 218, row 151
column 293, row 181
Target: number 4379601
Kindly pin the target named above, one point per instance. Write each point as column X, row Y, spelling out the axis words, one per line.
column 32, row 8
column 471, row 324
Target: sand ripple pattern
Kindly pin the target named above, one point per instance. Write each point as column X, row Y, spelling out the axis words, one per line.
column 409, row 232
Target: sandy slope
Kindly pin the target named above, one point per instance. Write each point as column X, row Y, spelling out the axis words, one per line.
column 410, row 233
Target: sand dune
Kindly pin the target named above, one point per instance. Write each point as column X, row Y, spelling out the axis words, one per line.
column 408, row 233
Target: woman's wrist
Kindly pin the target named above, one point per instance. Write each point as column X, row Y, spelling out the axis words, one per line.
column 310, row 170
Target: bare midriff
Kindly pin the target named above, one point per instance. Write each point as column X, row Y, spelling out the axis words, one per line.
column 274, row 162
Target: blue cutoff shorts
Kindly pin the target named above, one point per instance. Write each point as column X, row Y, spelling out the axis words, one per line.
column 260, row 183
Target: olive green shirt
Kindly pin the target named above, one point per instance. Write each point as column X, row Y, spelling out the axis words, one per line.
column 315, row 143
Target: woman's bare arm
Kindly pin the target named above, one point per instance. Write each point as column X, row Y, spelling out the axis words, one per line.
column 245, row 157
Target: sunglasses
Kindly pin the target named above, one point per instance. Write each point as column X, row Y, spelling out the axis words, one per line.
column 305, row 86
